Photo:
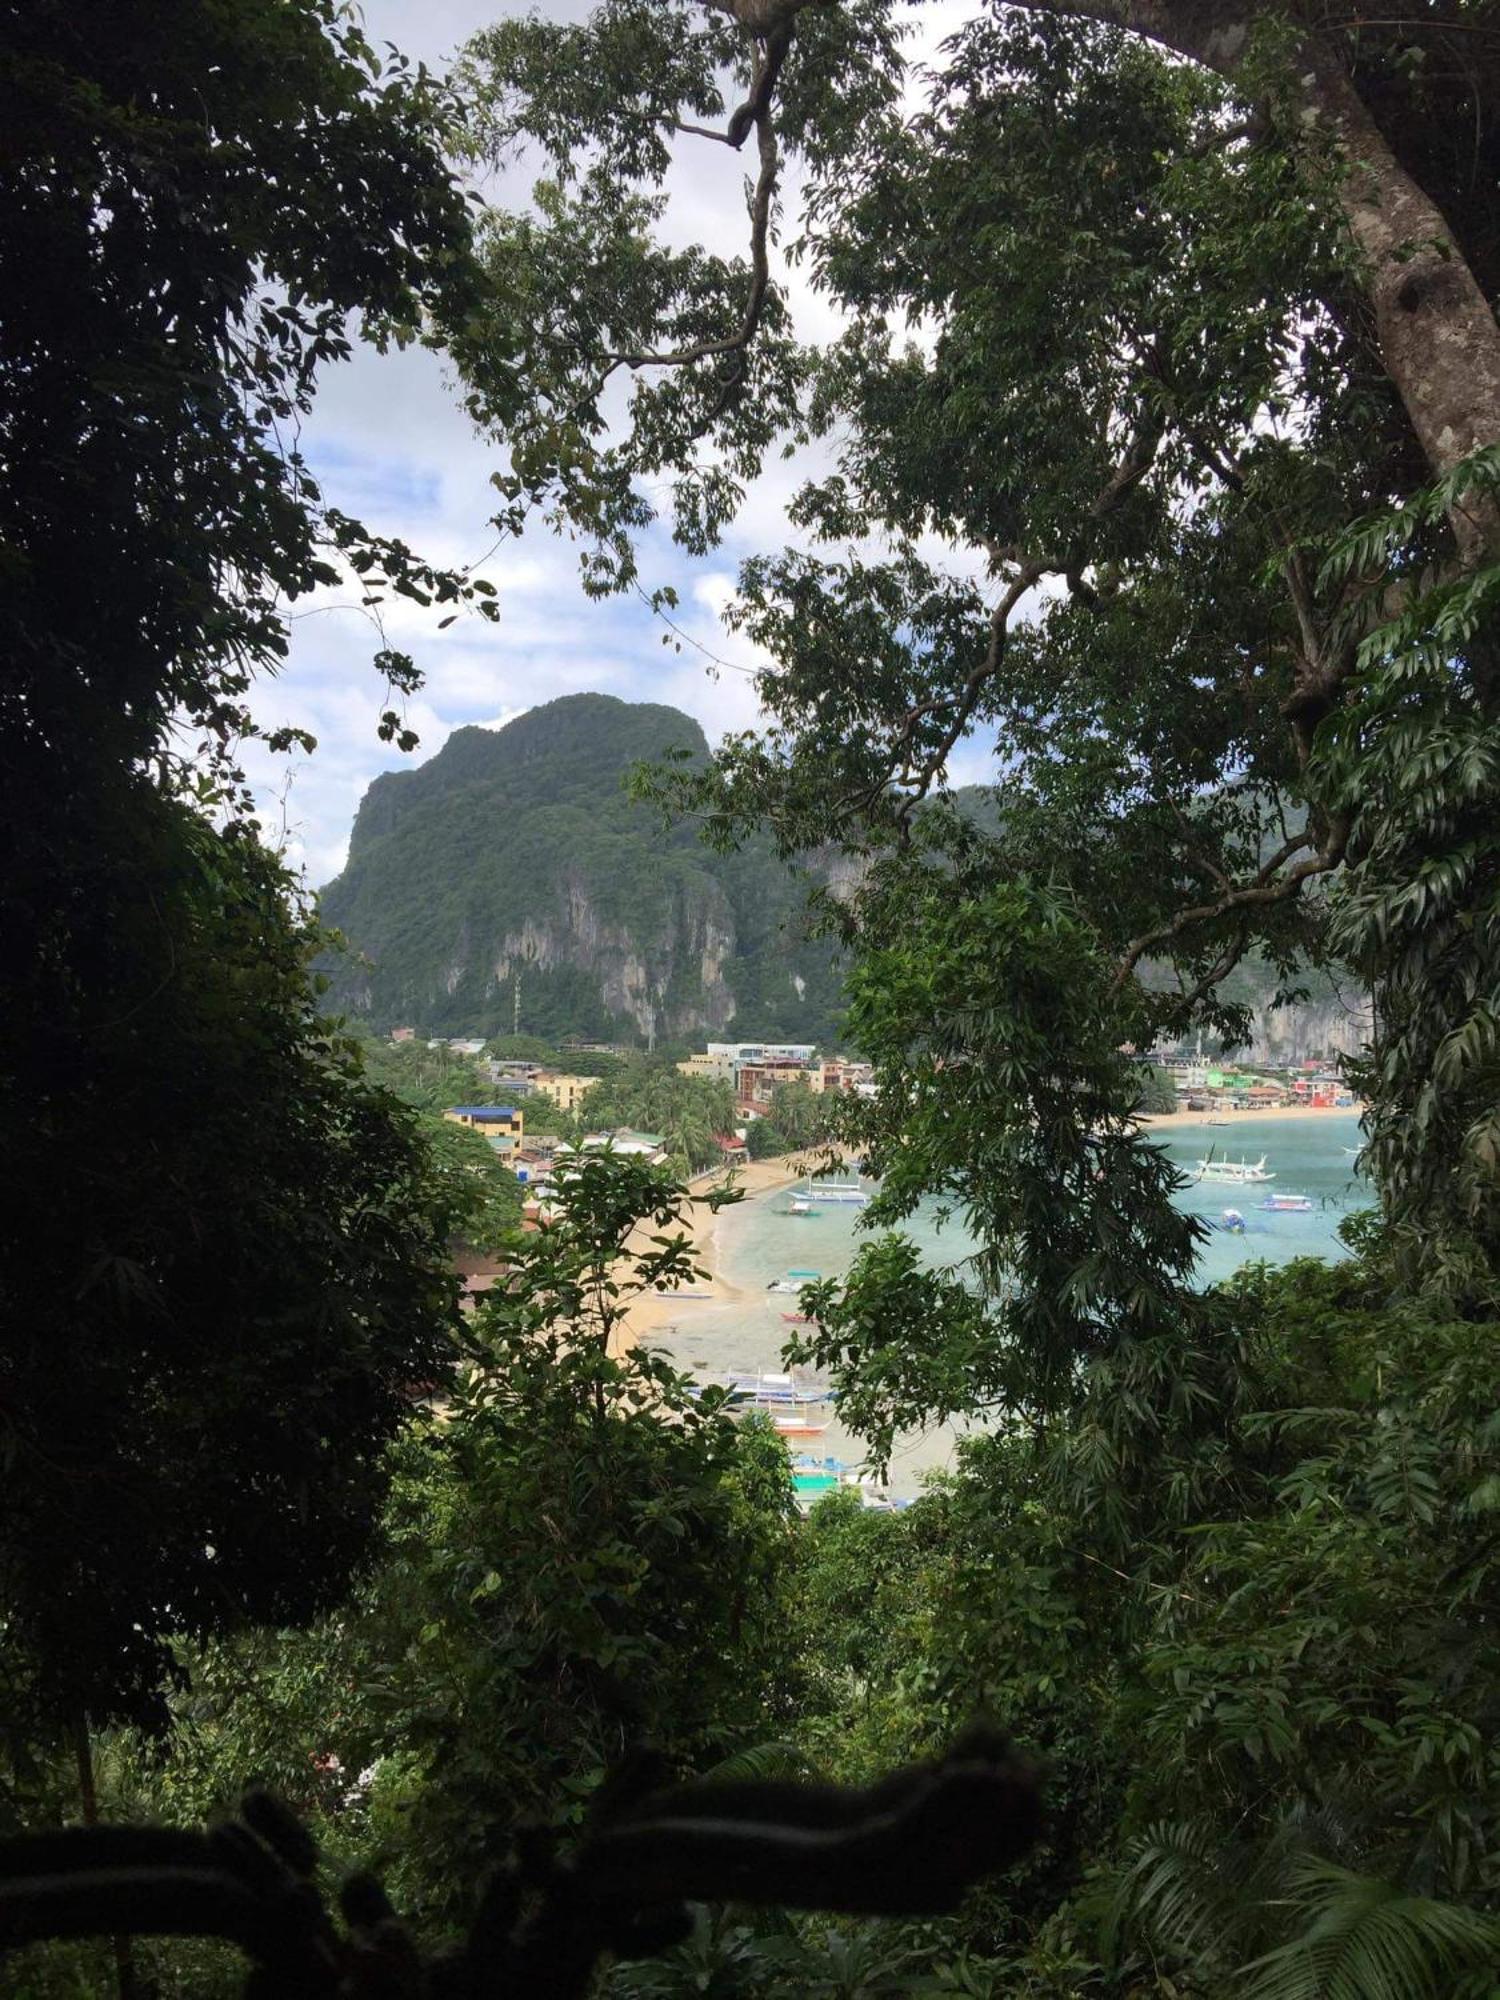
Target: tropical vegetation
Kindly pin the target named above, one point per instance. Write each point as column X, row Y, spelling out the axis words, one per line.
column 1160, row 447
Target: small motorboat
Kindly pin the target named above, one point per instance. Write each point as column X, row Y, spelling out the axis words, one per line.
column 1232, row 1221
column 1288, row 1204
column 800, row 1205
column 794, row 1281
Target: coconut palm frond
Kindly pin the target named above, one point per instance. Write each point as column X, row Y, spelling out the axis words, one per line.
column 772, row 1759
column 1362, row 1939
column 1175, row 1890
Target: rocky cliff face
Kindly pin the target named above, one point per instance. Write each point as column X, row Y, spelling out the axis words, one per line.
column 1337, row 1027
column 635, row 975
column 514, row 864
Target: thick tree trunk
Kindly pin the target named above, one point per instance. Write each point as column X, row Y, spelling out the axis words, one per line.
column 1438, row 337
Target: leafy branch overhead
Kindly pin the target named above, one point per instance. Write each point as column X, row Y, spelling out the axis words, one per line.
column 1155, row 439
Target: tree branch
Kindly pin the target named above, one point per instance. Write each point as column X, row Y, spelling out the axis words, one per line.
column 760, row 260
column 1264, row 888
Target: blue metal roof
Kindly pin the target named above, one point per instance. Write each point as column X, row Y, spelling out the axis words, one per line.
column 481, row 1111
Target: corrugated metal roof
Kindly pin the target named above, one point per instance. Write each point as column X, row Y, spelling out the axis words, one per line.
column 481, row 1111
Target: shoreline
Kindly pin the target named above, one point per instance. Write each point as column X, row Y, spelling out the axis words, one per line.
column 656, row 1312
column 1167, row 1119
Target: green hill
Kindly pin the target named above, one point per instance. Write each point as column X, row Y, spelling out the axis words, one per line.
column 515, row 854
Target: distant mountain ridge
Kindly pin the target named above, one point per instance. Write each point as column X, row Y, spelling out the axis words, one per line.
column 514, row 854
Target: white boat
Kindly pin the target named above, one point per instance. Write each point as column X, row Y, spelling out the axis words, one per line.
column 847, row 1194
column 799, row 1424
column 1235, row 1173
column 794, row 1281
column 766, row 1391
column 800, row 1205
column 1288, row 1204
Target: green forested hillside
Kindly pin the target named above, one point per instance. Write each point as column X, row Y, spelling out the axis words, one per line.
column 516, row 853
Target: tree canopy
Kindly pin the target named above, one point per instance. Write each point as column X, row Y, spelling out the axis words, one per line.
column 1159, row 446
column 224, row 1262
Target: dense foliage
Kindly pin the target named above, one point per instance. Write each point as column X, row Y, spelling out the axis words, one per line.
column 517, row 856
column 649, row 1094
column 1189, row 344
column 798, row 1118
column 223, row 1261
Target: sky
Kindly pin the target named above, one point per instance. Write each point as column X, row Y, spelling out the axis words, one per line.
column 390, row 444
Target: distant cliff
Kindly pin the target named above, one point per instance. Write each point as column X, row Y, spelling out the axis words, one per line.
column 514, row 855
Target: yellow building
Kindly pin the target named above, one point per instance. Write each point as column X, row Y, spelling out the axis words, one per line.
column 501, row 1124
column 566, row 1092
column 712, row 1069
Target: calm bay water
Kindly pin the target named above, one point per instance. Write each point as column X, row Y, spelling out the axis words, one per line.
column 758, row 1241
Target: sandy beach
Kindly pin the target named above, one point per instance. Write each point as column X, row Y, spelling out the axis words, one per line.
column 655, row 1311
column 1237, row 1118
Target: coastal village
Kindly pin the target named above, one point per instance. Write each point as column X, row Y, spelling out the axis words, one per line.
column 755, row 1071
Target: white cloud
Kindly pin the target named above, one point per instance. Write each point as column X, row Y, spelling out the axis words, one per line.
column 390, row 443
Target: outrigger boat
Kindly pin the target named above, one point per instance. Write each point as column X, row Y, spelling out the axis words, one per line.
column 799, row 1426
column 766, row 1391
column 1288, row 1204
column 794, row 1281
column 845, row 1194
column 1234, row 1173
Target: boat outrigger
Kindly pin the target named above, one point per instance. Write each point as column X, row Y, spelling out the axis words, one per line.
column 845, row 1194
column 794, row 1281
column 1234, row 1173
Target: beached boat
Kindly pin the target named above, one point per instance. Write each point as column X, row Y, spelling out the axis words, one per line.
column 799, row 1425
column 813, row 1477
column 799, row 1319
column 763, row 1390
column 1288, row 1204
column 1234, row 1173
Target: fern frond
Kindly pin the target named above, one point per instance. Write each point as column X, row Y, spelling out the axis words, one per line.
column 1363, row 1939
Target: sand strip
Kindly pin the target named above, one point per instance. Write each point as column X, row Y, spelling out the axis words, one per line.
column 653, row 1312
column 1236, row 1118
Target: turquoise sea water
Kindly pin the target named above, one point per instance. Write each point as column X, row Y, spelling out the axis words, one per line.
column 758, row 1241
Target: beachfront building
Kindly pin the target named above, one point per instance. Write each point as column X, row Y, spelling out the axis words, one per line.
column 630, row 1145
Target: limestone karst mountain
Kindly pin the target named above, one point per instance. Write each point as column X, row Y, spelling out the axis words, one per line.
column 515, row 854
